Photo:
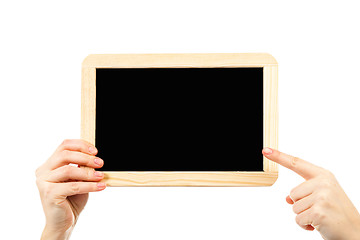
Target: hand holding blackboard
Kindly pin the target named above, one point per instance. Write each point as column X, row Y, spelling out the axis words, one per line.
column 320, row 203
column 64, row 188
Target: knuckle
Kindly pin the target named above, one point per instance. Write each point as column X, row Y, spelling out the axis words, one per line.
column 294, row 161
column 90, row 173
column 321, row 202
column 317, row 214
column 325, row 183
column 67, row 170
column 46, row 190
column 74, row 187
column 65, row 144
column 322, row 196
column 322, row 199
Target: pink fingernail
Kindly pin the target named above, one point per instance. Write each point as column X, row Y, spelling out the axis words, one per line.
column 98, row 161
column 267, row 151
column 101, row 185
column 92, row 150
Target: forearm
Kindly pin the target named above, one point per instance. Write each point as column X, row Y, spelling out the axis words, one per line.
column 54, row 234
column 354, row 231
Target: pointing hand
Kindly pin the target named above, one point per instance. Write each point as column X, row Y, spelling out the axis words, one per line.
column 320, row 203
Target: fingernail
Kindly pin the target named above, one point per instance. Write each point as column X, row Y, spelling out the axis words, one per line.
column 98, row 174
column 267, row 151
column 92, row 150
column 98, row 161
column 101, row 185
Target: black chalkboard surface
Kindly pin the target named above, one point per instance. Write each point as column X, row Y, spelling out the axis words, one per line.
column 179, row 119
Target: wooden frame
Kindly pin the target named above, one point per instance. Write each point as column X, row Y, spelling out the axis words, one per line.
column 270, row 70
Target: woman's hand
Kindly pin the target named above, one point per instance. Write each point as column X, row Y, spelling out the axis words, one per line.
column 320, row 203
column 64, row 188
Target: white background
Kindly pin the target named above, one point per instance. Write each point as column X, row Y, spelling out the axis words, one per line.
column 43, row 43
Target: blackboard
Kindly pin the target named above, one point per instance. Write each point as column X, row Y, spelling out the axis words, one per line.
column 179, row 119
column 182, row 119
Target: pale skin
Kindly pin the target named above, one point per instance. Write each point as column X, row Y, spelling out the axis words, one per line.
column 64, row 188
column 319, row 203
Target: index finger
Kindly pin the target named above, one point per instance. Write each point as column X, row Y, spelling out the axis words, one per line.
column 303, row 168
column 76, row 150
column 78, row 145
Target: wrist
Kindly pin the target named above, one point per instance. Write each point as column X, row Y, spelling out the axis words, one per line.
column 50, row 233
column 355, row 230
